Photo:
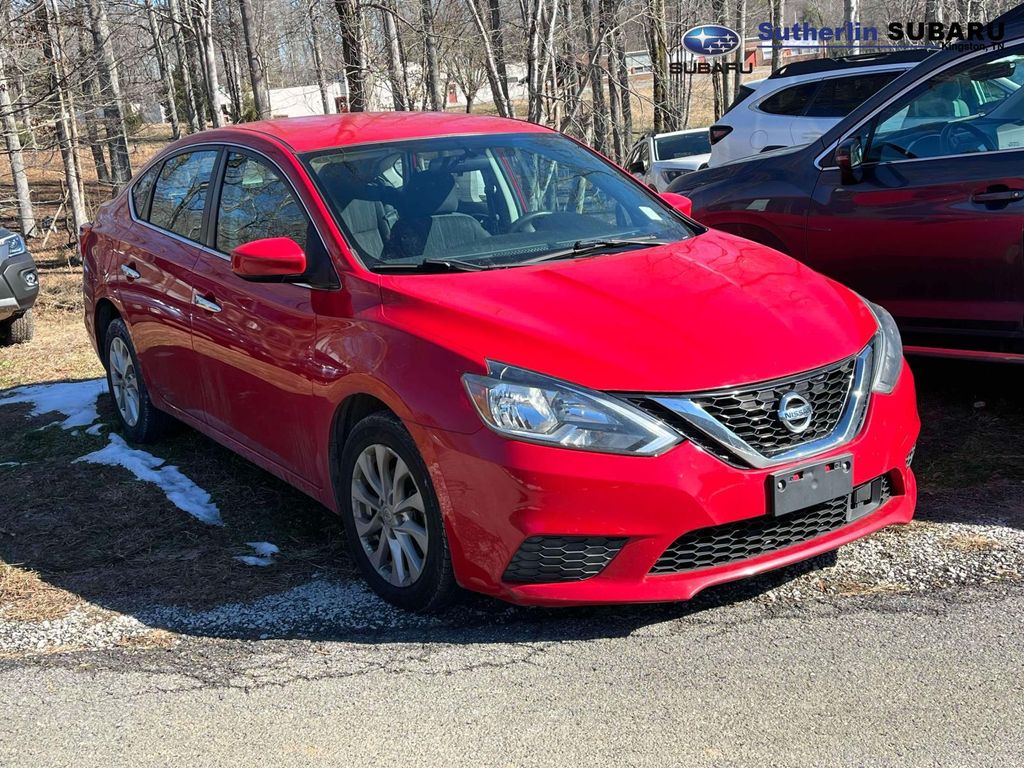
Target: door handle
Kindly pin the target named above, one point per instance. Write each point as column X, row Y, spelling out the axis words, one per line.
column 203, row 303
column 998, row 196
column 130, row 272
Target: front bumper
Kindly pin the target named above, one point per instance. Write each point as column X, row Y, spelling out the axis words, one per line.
column 496, row 493
column 19, row 285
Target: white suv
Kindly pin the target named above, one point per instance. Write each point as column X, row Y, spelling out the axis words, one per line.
column 659, row 160
column 801, row 101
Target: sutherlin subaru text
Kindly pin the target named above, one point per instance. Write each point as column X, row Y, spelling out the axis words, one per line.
column 504, row 362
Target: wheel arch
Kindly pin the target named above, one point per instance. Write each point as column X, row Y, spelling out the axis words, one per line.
column 353, row 409
column 106, row 313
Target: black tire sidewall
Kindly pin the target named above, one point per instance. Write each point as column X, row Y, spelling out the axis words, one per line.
column 435, row 585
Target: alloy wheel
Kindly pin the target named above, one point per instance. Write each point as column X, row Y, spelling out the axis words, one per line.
column 124, row 382
column 389, row 515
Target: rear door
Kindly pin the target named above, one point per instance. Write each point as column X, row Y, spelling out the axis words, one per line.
column 254, row 341
column 778, row 116
column 155, row 273
column 935, row 230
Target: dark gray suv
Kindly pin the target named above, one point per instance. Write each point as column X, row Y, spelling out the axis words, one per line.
column 19, row 286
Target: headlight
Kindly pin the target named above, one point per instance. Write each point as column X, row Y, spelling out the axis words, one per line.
column 528, row 406
column 888, row 351
column 15, row 244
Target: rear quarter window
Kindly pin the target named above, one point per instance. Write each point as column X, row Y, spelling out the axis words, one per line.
column 839, row 96
column 789, row 101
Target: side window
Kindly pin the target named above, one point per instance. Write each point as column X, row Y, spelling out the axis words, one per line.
column 180, row 193
column 789, row 101
column 141, row 191
column 943, row 115
column 839, row 96
column 255, row 203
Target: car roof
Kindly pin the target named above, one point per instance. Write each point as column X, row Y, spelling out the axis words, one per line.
column 306, row 134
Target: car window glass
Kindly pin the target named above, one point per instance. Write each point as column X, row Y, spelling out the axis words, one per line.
column 789, row 101
column 256, row 203
column 976, row 106
column 180, row 193
column 497, row 199
column 683, row 145
column 839, row 96
column 141, row 190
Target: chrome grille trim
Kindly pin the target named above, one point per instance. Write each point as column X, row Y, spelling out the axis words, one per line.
column 687, row 408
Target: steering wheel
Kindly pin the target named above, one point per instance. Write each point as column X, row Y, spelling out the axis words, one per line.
column 951, row 145
column 526, row 223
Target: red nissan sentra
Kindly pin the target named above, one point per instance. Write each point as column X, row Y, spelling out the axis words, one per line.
column 505, row 363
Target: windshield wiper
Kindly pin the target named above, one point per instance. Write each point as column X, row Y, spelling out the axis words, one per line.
column 431, row 266
column 585, row 247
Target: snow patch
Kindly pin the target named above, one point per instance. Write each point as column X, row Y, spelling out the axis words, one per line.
column 95, row 429
column 10, row 463
column 180, row 491
column 76, row 400
column 264, row 556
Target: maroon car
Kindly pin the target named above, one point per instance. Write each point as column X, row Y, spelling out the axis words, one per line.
column 915, row 200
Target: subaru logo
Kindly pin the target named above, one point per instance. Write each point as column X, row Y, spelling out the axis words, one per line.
column 795, row 412
column 711, row 40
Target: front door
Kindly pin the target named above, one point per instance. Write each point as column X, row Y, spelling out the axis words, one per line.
column 935, row 229
column 254, row 341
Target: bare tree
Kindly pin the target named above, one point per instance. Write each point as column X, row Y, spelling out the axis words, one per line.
column 26, row 217
column 657, row 47
column 205, row 29
column 351, row 18
column 184, row 68
column 166, row 79
column 315, row 22
column 433, row 70
column 257, row 70
column 851, row 15
column 113, row 106
column 778, row 11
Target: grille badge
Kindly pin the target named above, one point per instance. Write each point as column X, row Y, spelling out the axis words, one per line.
column 795, row 412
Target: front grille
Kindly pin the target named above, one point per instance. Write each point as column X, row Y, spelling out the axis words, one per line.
column 542, row 559
column 752, row 412
column 745, row 539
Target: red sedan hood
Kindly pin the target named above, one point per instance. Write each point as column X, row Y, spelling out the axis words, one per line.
column 708, row 312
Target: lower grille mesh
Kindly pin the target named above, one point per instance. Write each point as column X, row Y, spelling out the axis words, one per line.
column 745, row 539
column 543, row 559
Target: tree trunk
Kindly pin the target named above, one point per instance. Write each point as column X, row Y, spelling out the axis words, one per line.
column 350, row 16
column 184, row 67
column 608, row 11
column 194, row 58
column 500, row 57
column 657, row 47
column 625, row 94
column 492, row 63
column 433, row 69
column 165, row 71
column 851, row 15
column 87, row 75
column 49, row 18
column 741, row 28
column 534, row 83
column 210, row 61
column 395, row 58
column 26, row 217
column 257, row 69
column 315, row 20
column 110, row 95
column 778, row 15
column 594, row 37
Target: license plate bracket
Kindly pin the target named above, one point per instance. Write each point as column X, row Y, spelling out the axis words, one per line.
column 802, row 487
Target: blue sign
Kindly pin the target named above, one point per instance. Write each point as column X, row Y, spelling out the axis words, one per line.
column 711, row 40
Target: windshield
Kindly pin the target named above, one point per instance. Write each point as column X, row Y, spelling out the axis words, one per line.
column 685, row 145
column 486, row 201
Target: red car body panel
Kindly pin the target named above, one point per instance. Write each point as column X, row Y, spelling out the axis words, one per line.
column 269, row 375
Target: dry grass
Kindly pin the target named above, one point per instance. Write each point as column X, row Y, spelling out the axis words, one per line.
column 26, row 597
column 971, row 543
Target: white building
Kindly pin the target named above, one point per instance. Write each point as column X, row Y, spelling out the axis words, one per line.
column 305, row 100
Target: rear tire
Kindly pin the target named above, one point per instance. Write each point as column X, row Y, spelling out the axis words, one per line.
column 19, row 330
column 392, row 518
column 141, row 421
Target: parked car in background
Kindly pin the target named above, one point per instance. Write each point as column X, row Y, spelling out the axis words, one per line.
column 19, row 286
column 801, row 101
column 504, row 362
column 659, row 159
column 916, row 201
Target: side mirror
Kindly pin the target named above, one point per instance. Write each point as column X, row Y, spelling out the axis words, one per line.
column 273, row 259
column 681, row 203
column 849, row 159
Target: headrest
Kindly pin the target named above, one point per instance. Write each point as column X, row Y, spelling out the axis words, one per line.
column 429, row 193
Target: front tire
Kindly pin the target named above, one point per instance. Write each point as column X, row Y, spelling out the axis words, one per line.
column 141, row 422
column 19, row 330
column 392, row 519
